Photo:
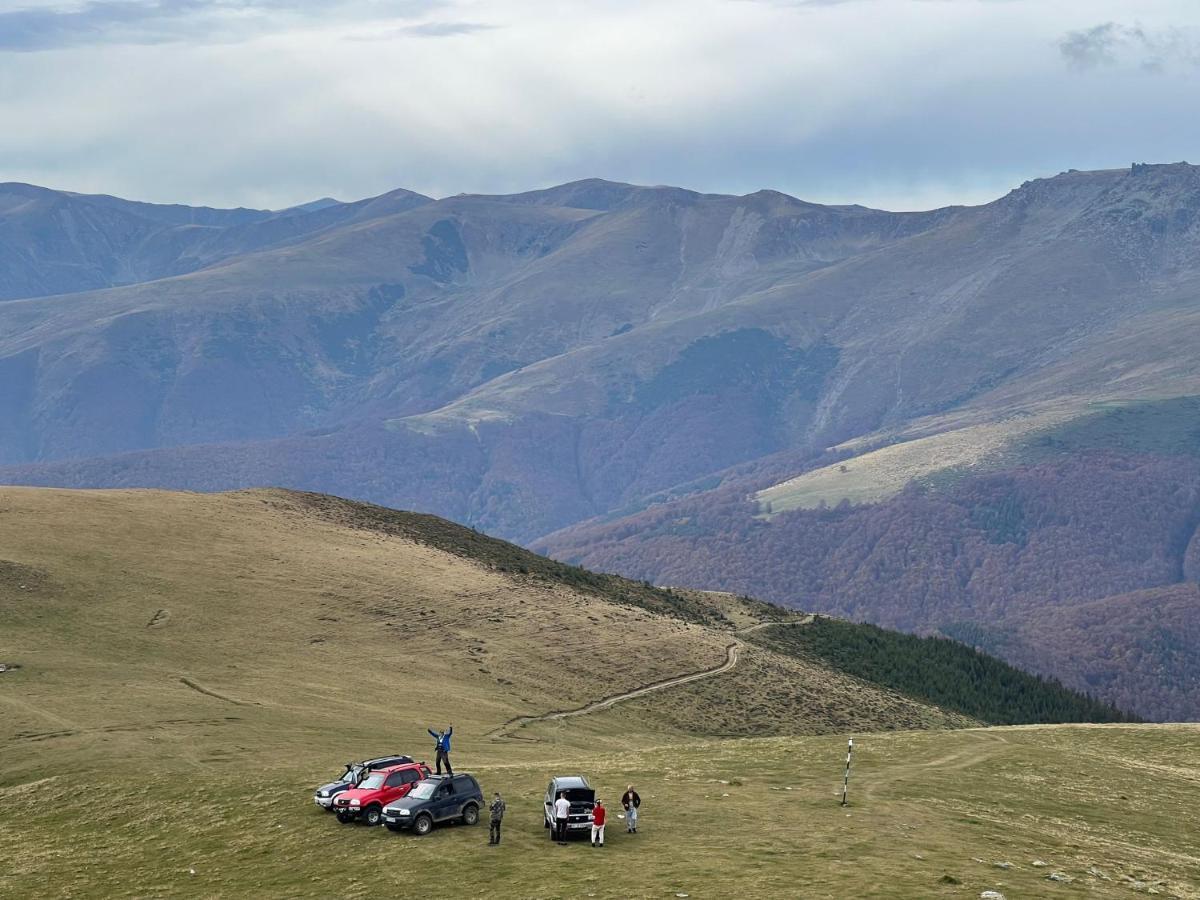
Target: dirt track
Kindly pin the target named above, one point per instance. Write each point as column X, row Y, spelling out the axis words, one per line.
column 732, row 654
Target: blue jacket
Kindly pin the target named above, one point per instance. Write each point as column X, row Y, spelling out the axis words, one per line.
column 443, row 739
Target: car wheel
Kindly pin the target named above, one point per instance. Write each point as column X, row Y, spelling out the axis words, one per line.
column 327, row 808
column 423, row 825
column 471, row 814
column 345, row 818
column 392, row 826
column 373, row 815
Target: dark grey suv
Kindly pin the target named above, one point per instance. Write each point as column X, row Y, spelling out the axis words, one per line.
column 437, row 799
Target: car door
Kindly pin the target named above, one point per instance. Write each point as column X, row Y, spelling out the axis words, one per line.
column 393, row 788
column 548, row 805
column 444, row 801
column 464, row 791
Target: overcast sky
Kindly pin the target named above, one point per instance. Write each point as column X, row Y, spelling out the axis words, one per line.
column 901, row 104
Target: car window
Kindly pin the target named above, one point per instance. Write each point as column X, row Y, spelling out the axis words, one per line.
column 422, row 791
column 395, row 779
column 446, row 790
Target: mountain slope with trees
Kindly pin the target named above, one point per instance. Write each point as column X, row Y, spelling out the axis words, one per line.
column 1038, row 564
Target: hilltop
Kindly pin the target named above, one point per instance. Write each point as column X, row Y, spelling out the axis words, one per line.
column 202, row 661
column 125, row 610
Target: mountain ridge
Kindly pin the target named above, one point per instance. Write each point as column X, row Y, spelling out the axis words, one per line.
column 527, row 363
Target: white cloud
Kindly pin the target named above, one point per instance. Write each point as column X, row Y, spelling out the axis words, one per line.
column 1116, row 44
column 901, row 103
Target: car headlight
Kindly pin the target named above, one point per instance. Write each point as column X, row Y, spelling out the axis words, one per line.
column 404, row 812
column 354, row 803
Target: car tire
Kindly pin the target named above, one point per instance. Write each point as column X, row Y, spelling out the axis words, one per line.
column 345, row 818
column 392, row 826
column 328, row 809
column 423, row 824
column 373, row 815
column 470, row 814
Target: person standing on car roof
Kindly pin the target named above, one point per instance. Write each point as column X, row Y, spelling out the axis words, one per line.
column 443, row 748
column 598, row 814
column 631, row 802
column 562, row 814
column 497, row 811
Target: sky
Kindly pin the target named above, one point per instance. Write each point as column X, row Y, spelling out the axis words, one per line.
column 898, row 104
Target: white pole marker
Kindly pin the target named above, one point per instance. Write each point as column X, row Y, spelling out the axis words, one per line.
column 846, row 779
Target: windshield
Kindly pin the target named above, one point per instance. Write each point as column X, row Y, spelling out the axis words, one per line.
column 423, row 791
column 372, row 781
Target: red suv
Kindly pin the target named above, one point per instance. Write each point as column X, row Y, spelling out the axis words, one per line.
column 376, row 791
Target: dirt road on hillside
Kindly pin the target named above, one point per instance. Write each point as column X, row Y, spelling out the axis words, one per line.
column 732, row 654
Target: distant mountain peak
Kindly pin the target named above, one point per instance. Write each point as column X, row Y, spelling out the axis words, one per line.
column 312, row 205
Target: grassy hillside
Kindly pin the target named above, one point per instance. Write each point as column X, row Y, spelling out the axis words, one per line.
column 877, row 467
column 183, row 669
column 233, row 614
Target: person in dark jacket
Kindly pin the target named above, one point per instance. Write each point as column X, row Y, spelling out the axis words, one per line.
column 443, row 748
column 497, row 814
column 631, row 802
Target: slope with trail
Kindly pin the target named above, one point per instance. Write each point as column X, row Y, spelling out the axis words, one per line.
column 733, row 652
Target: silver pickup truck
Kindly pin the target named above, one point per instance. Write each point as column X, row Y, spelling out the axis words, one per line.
column 581, row 797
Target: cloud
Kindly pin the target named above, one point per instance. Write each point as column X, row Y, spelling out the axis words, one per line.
column 895, row 103
column 422, row 30
column 1111, row 44
column 56, row 26
column 41, row 28
column 445, row 29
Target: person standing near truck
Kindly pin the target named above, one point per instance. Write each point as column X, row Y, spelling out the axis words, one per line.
column 598, row 815
column 631, row 802
column 497, row 814
column 443, row 748
column 562, row 814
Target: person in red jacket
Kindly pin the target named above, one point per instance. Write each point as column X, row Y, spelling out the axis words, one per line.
column 598, row 815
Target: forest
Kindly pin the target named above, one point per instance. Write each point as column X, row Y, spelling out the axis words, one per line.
column 940, row 671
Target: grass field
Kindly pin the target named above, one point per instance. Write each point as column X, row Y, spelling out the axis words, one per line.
column 932, row 814
column 190, row 667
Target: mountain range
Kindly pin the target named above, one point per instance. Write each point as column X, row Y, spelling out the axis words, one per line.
column 719, row 391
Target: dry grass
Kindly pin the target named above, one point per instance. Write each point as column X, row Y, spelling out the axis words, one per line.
column 881, row 473
column 1106, row 807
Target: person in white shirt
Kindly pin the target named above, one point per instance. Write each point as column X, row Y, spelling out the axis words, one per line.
column 562, row 813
